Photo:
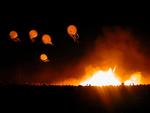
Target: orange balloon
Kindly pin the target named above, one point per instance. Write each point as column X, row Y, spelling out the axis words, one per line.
column 46, row 39
column 13, row 35
column 44, row 57
column 33, row 34
column 72, row 30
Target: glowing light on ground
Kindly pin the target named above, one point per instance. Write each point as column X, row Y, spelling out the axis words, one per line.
column 135, row 79
column 108, row 77
column 102, row 78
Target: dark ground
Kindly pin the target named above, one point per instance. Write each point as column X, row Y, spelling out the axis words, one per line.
column 62, row 99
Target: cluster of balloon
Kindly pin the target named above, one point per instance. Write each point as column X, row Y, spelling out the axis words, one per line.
column 46, row 39
column 32, row 35
column 72, row 32
column 44, row 58
column 14, row 36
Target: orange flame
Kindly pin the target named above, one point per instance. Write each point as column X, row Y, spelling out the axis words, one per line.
column 106, row 78
column 135, row 79
column 102, row 78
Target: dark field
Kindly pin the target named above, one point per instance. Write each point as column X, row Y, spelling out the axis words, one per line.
column 78, row 99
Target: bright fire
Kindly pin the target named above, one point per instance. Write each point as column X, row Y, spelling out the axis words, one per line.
column 102, row 78
column 135, row 79
column 106, row 78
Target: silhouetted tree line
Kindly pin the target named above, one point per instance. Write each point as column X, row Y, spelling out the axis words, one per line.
column 84, row 99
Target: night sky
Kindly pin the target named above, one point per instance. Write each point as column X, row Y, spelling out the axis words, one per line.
column 105, row 40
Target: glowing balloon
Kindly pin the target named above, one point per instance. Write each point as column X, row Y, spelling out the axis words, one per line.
column 33, row 34
column 14, row 36
column 44, row 57
column 72, row 32
column 46, row 39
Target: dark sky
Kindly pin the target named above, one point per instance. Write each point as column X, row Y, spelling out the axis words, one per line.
column 20, row 63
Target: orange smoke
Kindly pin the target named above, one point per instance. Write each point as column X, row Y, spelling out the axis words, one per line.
column 118, row 46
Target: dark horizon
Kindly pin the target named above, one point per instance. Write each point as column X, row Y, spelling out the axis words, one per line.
column 79, row 99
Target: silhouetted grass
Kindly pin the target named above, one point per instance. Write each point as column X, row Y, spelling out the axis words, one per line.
column 84, row 99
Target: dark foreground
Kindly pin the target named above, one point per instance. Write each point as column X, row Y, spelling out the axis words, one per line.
column 78, row 99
